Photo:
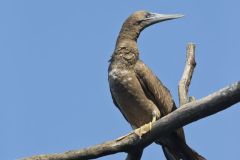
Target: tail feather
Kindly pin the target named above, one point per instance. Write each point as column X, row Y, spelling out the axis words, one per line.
column 183, row 152
column 168, row 154
column 175, row 148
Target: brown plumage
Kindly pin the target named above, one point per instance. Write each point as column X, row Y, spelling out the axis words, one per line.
column 137, row 92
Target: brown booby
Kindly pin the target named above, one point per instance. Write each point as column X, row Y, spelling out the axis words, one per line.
column 137, row 92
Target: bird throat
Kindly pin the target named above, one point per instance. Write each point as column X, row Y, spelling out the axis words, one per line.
column 126, row 52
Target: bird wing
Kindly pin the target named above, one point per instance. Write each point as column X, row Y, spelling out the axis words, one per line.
column 156, row 92
column 154, row 89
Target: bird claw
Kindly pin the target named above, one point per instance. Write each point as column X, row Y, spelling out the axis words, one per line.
column 122, row 137
column 142, row 130
column 145, row 128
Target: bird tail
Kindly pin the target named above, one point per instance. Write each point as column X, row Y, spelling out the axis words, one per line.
column 181, row 151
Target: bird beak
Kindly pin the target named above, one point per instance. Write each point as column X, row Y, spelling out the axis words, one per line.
column 155, row 18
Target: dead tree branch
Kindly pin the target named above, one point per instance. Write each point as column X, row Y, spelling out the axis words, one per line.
column 187, row 75
column 188, row 113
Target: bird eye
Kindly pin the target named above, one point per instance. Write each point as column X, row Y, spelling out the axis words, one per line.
column 148, row 15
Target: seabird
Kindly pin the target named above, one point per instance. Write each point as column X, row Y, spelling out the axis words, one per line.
column 137, row 92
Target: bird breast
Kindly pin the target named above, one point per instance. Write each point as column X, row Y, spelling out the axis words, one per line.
column 130, row 97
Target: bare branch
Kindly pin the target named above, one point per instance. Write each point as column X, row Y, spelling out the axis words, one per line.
column 187, row 75
column 184, row 115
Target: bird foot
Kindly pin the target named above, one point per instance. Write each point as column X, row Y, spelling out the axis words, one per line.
column 145, row 128
column 122, row 137
column 142, row 130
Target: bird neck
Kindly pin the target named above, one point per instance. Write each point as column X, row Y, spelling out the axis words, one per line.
column 125, row 53
column 126, row 50
column 128, row 33
column 127, row 38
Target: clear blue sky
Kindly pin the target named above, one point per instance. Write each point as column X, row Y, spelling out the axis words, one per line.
column 54, row 94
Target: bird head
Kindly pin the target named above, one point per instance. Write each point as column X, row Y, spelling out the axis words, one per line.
column 139, row 20
column 143, row 19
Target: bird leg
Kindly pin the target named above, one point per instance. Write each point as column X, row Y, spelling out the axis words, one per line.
column 142, row 130
column 145, row 128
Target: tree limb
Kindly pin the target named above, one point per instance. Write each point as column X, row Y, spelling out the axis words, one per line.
column 184, row 115
column 187, row 75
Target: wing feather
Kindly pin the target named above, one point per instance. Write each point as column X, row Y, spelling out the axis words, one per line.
column 154, row 89
column 156, row 92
